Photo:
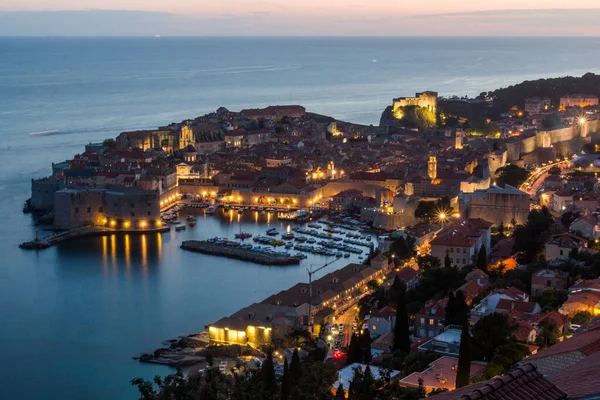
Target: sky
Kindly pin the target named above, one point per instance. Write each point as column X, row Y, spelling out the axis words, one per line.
column 301, row 18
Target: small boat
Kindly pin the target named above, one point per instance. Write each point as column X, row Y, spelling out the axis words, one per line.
column 240, row 211
column 272, row 232
column 243, row 235
column 287, row 236
column 346, row 255
column 211, row 209
column 263, row 212
column 179, row 227
column 191, row 218
column 339, row 255
column 289, row 245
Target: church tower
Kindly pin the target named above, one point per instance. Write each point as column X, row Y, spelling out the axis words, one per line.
column 432, row 167
column 186, row 137
column 459, row 139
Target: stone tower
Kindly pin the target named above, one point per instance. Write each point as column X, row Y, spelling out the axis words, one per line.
column 186, row 137
column 432, row 167
column 459, row 139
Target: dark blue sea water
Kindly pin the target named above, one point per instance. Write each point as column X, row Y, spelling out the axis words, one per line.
column 72, row 316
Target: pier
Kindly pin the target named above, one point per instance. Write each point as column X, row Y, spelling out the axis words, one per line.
column 48, row 241
column 238, row 253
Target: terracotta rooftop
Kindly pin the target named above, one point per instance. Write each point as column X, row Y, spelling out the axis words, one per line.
column 440, row 374
column 580, row 381
column 527, row 307
column 435, row 308
column 586, row 342
column 567, row 240
column 524, row 383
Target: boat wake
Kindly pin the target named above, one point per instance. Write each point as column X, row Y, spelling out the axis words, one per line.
column 51, row 132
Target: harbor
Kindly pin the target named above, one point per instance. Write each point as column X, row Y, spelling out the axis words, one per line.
column 240, row 253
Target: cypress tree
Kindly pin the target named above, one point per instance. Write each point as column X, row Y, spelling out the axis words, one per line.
column 447, row 262
column 365, row 347
column 501, row 229
column 354, row 351
column 286, row 384
column 456, row 309
column 295, row 368
column 401, row 329
column 482, row 260
column 267, row 373
column 340, row 393
column 463, row 372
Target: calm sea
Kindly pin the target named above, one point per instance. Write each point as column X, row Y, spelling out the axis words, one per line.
column 71, row 317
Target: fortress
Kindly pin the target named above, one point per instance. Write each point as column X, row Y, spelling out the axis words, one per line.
column 424, row 99
column 542, row 145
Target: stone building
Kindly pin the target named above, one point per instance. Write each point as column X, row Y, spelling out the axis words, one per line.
column 42, row 192
column 547, row 279
column 578, row 100
column 424, row 99
column 462, row 241
column 113, row 206
column 499, row 205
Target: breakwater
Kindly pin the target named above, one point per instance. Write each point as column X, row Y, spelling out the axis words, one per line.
column 239, row 253
column 45, row 242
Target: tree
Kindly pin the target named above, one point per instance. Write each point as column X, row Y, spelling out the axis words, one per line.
column 581, row 318
column 482, row 260
column 295, row 368
column 428, row 261
column 554, row 171
column 501, row 230
column 456, row 309
column 447, row 262
column 340, row 393
column 548, row 333
column 505, row 357
column 373, row 285
column 553, row 121
column 403, row 248
column 491, row 332
column 109, row 143
column 512, row 175
column 401, row 329
column 365, row 347
column 530, row 237
column 364, row 385
column 354, row 352
column 267, row 373
column 286, row 383
column 416, row 117
column 463, row 371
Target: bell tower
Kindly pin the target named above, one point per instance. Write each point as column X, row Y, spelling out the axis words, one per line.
column 459, row 139
column 186, row 137
column 432, row 167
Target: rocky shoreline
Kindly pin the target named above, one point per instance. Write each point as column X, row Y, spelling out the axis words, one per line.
column 193, row 349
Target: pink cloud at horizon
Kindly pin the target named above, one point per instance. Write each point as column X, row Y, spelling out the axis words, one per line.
column 306, row 8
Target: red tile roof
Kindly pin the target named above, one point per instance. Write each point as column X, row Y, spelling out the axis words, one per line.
column 527, row 307
column 524, row 383
column 435, row 309
column 567, row 240
column 580, row 381
column 586, row 342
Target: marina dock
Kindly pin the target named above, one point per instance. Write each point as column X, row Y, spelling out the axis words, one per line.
column 238, row 253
